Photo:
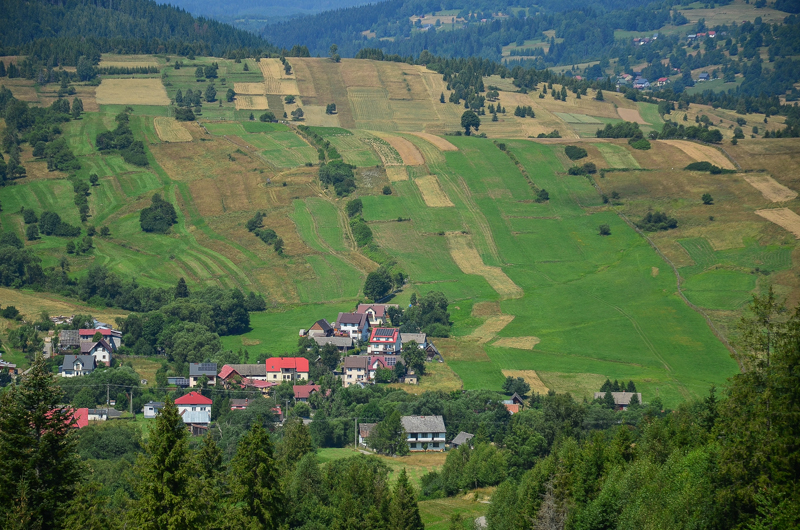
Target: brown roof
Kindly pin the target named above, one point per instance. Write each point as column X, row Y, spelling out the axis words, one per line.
column 380, row 309
column 620, row 398
column 351, row 318
column 364, row 429
column 304, row 391
column 356, row 361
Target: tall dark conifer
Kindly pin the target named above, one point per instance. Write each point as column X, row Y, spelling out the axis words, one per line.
column 255, row 482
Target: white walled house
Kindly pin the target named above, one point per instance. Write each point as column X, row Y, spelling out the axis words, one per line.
column 425, row 432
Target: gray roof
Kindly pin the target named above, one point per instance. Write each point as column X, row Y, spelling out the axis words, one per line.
column 423, row 423
column 356, row 361
column 462, row 438
column 339, row 342
column 247, row 370
column 620, row 398
column 240, row 402
column 69, row 338
column 196, row 416
column 364, row 429
column 323, row 324
column 111, row 413
column 200, row 369
column 419, row 338
column 87, row 346
column 155, row 404
column 351, row 318
column 69, row 361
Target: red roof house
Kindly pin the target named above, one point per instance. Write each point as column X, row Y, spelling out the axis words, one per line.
column 384, row 341
column 193, row 398
column 287, row 368
column 81, row 418
column 303, row 392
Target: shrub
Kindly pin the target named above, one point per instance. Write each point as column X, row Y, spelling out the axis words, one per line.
column 361, row 232
column 29, row 216
column 574, row 152
column 576, row 170
column 605, row 230
column 542, row 196
column 354, row 207
column 625, row 129
column 267, row 117
column 339, row 175
column 655, row 221
column 387, row 190
column 159, row 216
column 642, row 144
column 699, row 166
column 590, row 168
column 184, row 114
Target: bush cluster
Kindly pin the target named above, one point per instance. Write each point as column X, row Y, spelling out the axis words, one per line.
column 574, row 152
column 159, row 217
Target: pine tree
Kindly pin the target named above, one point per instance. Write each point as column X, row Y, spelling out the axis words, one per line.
column 404, row 512
column 608, row 401
column 181, row 290
column 164, row 476
column 2, row 69
column 255, row 482
column 631, row 387
column 39, row 468
column 296, row 444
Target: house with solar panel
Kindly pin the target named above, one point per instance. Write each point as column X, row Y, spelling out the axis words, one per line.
column 385, row 341
column 198, row 370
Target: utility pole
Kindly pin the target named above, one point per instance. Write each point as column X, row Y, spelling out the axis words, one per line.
column 108, row 395
column 355, row 434
column 131, row 400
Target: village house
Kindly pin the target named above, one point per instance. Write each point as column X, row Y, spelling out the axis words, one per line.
column 81, row 417
column 420, row 338
column 703, row 77
column 641, row 83
column 182, row 382
column 103, row 414
column 409, row 379
column 384, row 341
column 6, row 366
column 287, row 369
column 354, row 325
column 386, row 362
column 100, row 350
column 364, row 430
column 662, row 81
column 321, row 328
column 199, row 370
column 341, row 343
column 113, row 338
column 622, row 400
column 424, row 432
column 195, row 411
column 240, row 404
column 303, row 392
column 69, row 339
column 152, row 409
column 461, row 439
column 376, row 313
column 431, row 353
column 237, row 372
column 77, row 365
column 355, row 370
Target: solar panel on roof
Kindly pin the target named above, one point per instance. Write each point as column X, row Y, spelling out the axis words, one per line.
column 208, row 367
column 384, row 332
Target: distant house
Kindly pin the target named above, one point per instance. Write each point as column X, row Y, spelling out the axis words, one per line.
column 240, row 404
column 354, row 325
column 662, row 81
column 230, row 372
column 431, row 353
column 461, row 439
column 178, row 381
column 410, row 379
column 152, row 409
column 81, row 417
column 622, row 400
column 341, row 343
column 691, row 36
column 375, row 312
column 68, row 339
column 641, row 83
column 419, row 338
column 6, row 366
column 356, row 369
column 198, row 370
column 77, row 365
column 303, row 392
column 320, row 328
column 103, row 414
column 712, row 34
column 512, row 408
column 287, row 369
column 424, row 432
column 364, row 430
column 386, row 362
column 100, row 350
column 703, row 77
column 515, row 399
column 195, row 411
column 113, row 338
column 384, row 341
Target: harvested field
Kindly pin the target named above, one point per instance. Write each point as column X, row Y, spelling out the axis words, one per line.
column 171, row 130
column 275, row 80
column 470, row 262
column 770, row 188
column 315, row 115
column 131, row 92
column 631, row 115
column 126, row 61
column 407, row 151
column 249, row 88
column 370, row 104
column 438, row 141
column 358, row 73
column 396, row 173
column 489, row 329
column 432, row 192
column 486, row 309
column 530, row 377
column 783, row 217
column 388, row 154
column 520, row 343
column 248, row 102
column 702, row 153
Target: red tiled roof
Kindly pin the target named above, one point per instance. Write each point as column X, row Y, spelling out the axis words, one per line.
column 381, row 334
column 193, row 398
column 513, row 409
column 226, row 371
column 81, row 417
column 304, row 391
column 380, row 309
column 276, row 364
column 255, row 383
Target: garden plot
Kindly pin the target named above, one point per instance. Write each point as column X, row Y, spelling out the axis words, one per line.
column 275, row 79
column 249, row 102
column 631, row 115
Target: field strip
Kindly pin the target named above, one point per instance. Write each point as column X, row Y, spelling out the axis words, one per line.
column 520, row 343
column 251, row 102
column 275, row 80
column 631, row 115
column 617, row 156
column 783, row 217
column 396, row 173
column 438, row 141
column 408, row 151
column 470, row 262
column 249, row 88
column 530, row 377
column 701, row 153
column 771, row 189
column 489, row 329
column 171, row 130
column 131, row 92
column 432, row 192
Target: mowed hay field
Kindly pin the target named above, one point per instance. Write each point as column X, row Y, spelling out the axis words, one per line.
column 702, row 153
column 171, row 130
column 131, row 92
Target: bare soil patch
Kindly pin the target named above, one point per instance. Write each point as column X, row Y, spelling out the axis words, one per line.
column 470, row 262
column 702, row 153
column 631, row 115
column 432, row 192
column 408, row 151
column 520, row 343
column 530, row 377
column 131, row 92
column 770, row 188
column 783, row 217
column 396, row 173
column 171, row 130
column 438, row 141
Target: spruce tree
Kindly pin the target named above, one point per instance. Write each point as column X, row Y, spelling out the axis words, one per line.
column 255, row 482
column 164, row 476
column 404, row 512
column 296, row 444
column 39, row 469
column 181, row 290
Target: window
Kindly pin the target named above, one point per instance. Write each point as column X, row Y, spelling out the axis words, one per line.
column 436, row 445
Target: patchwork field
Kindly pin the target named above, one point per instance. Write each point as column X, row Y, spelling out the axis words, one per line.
column 131, row 92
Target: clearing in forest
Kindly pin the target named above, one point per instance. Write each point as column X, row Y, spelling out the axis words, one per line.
column 701, row 153
column 131, row 92
column 771, row 189
column 470, row 262
column 432, row 192
column 783, row 217
column 171, row 130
